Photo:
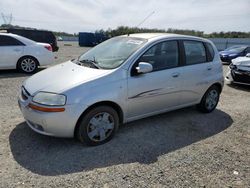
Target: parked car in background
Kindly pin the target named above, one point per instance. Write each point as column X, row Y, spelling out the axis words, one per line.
column 59, row 38
column 233, row 52
column 239, row 71
column 37, row 35
column 17, row 52
column 120, row 80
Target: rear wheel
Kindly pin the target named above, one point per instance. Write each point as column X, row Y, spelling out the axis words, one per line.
column 210, row 100
column 98, row 126
column 27, row 65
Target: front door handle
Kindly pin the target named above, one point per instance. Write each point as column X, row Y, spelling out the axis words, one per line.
column 175, row 74
column 17, row 50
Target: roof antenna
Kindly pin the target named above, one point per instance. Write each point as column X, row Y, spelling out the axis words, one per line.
column 145, row 19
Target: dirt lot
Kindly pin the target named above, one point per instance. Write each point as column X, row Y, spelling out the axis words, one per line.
column 183, row 148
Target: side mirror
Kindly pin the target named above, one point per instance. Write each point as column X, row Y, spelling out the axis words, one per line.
column 248, row 55
column 144, row 67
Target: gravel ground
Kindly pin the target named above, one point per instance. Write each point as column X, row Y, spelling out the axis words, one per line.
column 183, row 148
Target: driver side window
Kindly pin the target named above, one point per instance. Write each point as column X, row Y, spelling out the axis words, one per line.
column 161, row 56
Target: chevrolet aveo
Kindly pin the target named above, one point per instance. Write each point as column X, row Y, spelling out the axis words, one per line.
column 122, row 79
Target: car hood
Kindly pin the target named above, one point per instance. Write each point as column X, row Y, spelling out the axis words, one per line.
column 227, row 53
column 61, row 77
column 242, row 61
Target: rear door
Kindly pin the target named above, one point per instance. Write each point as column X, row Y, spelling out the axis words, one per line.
column 160, row 89
column 11, row 50
column 197, row 71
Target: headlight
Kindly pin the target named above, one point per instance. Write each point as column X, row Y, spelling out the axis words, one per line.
column 232, row 66
column 51, row 99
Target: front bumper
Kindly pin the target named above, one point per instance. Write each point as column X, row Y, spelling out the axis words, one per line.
column 237, row 77
column 226, row 59
column 59, row 124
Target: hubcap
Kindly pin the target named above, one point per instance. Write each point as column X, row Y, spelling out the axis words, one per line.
column 28, row 65
column 212, row 99
column 100, row 126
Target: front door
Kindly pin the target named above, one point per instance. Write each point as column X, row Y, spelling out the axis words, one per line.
column 160, row 89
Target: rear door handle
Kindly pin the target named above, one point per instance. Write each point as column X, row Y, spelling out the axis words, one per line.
column 209, row 68
column 17, row 50
column 175, row 74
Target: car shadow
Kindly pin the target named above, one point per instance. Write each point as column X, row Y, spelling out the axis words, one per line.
column 15, row 73
column 142, row 141
column 240, row 87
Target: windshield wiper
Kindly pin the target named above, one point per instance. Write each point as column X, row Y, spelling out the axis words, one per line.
column 90, row 62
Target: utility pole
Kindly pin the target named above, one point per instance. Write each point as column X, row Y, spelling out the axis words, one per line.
column 7, row 19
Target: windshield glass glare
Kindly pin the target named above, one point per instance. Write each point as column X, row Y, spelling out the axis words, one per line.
column 236, row 49
column 113, row 52
column 232, row 47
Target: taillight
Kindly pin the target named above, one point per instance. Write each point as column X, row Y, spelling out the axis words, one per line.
column 48, row 47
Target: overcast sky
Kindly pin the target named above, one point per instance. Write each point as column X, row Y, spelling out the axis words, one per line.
column 89, row 15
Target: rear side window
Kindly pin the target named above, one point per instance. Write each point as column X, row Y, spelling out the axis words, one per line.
column 9, row 41
column 163, row 55
column 210, row 52
column 195, row 52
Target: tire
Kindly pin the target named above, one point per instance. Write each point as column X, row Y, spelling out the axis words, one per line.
column 27, row 65
column 98, row 126
column 209, row 100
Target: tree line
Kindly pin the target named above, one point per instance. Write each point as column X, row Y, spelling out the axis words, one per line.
column 123, row 30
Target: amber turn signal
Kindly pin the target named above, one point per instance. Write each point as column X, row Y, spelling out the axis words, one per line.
column 45, row 109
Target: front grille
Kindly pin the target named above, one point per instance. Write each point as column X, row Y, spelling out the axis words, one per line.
column 241, row 76
column 25, row 94
column 24, row 97
column 225, row 58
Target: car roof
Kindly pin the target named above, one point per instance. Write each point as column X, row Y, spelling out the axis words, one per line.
column 9, row 34
column 157, row 36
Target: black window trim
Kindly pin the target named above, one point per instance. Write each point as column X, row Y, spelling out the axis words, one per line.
column 208, row 52
column 181, row 53
column 136, row 62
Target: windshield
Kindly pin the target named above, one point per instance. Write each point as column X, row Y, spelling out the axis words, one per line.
column 232, row 47
column 112, row 53
column 236, row 49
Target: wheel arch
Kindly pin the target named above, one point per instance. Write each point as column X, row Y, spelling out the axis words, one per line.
column 217, row 84
column 114, row 105
column 27, row 56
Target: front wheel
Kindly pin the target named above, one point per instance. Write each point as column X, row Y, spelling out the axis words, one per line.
column 210, row 100
column 27, row 65
column 98, row 126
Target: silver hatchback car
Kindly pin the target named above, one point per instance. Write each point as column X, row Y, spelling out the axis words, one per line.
column 122, row 79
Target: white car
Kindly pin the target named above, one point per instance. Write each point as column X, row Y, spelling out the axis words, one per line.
column 239, row 71
column 17, row 52
column 121, row 80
